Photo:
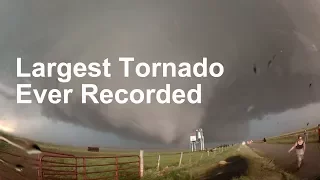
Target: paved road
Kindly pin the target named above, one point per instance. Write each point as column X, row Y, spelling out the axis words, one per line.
column 279, row 152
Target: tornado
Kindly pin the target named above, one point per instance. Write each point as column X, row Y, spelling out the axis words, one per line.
column 268, row 51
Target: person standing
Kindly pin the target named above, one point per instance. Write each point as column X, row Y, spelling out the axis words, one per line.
column 300, row 147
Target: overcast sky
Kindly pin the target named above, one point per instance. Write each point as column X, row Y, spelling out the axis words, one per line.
column 239, row 105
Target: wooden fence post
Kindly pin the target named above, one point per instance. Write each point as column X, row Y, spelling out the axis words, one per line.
column 158, row 168
column 180, row 159
column 141, row 163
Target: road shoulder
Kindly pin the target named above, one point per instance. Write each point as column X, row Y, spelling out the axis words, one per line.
column 261, row 167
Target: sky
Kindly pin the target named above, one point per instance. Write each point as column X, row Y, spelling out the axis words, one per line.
column 279, row 37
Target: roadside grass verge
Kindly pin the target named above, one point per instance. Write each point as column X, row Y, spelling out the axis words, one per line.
column 257, row 168
column 190, row 171
column 262, row 168
column 300, row 131
column 291, row 138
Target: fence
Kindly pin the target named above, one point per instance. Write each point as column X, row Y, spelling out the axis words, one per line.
column 159, row 161
column 51, row 166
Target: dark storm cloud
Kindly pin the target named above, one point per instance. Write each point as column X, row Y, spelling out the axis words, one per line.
column 275, row 88
column 240, row 34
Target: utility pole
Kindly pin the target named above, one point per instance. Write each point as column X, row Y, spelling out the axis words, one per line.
column 306, row 134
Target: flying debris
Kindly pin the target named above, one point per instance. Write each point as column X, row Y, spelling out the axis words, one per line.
column 269, row 64
column 250, row 108
column 254, row 69
column 306, row 41
column 314, row 48
column 310, row 85
column 307, row 124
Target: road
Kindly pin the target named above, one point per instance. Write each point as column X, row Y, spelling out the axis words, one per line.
column 286, row 161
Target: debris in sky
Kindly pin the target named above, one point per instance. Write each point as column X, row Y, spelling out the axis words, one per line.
column 254, row 69
column 250, row 108
column 306, row 41
column 168, row 122
column 310, row 85
column 273, row 58
column 314, row 48
column 307, row 124
column 269, row 64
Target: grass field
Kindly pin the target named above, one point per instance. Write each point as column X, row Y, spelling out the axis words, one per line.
column 243, row 164
column 168, row 160
column 290, row 138
column 192, row 164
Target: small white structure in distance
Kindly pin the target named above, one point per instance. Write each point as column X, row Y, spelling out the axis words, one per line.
column 197, row 138
column 193, row 141
column 200, row 138
column 243, row 143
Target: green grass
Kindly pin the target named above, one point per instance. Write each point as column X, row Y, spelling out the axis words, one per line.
column 290, row 138
column 262, row 168
column 258, row 168
column 193, row 167
column 300, row 131
column 169, row 164
column 192, row 164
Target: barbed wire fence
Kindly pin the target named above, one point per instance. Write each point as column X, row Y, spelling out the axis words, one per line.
column 161, row 161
